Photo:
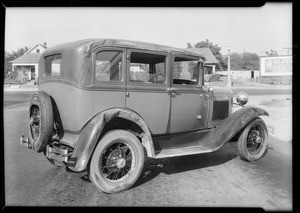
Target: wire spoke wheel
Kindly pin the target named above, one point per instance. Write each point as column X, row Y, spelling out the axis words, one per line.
column 252, row 144
column 254, row 139
column 117, row 161
column 35, row 123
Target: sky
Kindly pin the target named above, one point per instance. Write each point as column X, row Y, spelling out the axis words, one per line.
column 253, row 29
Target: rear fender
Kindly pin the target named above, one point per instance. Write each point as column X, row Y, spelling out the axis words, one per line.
column 231, row 126
column 89, row 135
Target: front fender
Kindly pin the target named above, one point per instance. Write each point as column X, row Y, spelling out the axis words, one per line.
column 231, row 126
column 90, row 133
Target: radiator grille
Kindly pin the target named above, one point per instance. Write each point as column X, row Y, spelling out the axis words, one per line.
column 220, row 110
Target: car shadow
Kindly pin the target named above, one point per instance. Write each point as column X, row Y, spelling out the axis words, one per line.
column 153, row 167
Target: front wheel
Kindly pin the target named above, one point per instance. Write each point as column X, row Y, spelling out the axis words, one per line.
column 252, row 144
column 117, row 161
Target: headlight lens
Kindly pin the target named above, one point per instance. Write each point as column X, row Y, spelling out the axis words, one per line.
column 242, row 98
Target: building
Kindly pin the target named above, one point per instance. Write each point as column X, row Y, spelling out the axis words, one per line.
column 276, row 69
column 241, row 75
column 210, row 60
column 28, row 63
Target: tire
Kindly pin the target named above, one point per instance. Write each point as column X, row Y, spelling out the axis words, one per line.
column 252, row 143
column 111, row 168
column 40, row 120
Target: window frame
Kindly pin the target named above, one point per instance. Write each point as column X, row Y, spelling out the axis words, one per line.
column 200, row 77
column 61, row 67
column 123, row 63
column 161, row 53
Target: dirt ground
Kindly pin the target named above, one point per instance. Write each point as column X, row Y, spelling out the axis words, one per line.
column 279, row 108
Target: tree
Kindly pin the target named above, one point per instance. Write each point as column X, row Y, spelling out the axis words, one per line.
column 235, row 61
column 9, row 56
column 214, row 48
column 272, row 53
column 189, row 45
column 250, row 61
column 244, row 61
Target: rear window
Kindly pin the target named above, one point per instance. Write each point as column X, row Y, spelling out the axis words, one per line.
column 108, row 66
column 53, row 65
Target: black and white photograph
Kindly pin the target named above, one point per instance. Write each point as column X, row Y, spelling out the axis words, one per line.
column 88, row 121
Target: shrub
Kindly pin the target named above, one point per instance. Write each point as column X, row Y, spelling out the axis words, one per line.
column 215, row 77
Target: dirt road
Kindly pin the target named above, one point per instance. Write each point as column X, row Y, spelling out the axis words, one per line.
column 219, row 179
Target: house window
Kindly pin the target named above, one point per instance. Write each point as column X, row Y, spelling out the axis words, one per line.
column 53, row 65
column 147, row 68
column 108, row 66
column 37, row 50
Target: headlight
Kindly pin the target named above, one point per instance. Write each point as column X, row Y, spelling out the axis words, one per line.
column 242, row 98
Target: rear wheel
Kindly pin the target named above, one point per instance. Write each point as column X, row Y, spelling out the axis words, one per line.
column 40, row 120
column 117, row 161
column 252, row 143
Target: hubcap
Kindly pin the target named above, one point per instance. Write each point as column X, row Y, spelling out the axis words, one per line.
column 121, row 163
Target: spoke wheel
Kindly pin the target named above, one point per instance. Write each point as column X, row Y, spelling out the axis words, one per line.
column 117, row 161
column 254, row 139
column 252, row 144
column 35, row 123
column 40, row 120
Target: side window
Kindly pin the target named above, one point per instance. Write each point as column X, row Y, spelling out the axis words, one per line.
column 53, row 65
column 147, row 68
column 108, row 66
column 186, row 71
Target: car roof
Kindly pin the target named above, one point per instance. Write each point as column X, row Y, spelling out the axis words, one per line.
column 91, row 43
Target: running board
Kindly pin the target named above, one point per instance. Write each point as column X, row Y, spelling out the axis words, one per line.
column 191, row 150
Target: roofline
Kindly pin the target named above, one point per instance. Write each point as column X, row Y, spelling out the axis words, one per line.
column 34, row 47
column 30, row 49
column 106, row 42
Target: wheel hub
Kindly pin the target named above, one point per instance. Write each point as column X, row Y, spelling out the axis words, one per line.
column 121, row 163
column 258, row 139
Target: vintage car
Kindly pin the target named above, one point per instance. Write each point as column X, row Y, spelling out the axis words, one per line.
column 102, row 105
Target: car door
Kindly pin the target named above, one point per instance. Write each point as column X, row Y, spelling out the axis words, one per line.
column 109, row 79
column 189, row 106
column 147, row 83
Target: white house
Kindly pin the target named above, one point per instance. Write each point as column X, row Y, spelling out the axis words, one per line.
column 28, row 63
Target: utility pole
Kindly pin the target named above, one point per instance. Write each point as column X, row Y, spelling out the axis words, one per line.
column 228, row 71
